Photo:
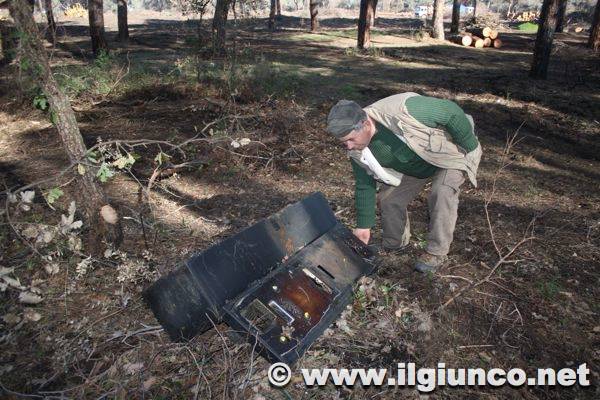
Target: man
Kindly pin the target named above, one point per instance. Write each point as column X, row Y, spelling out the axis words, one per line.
column 401, row 142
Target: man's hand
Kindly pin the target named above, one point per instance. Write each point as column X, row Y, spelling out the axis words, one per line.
column 364, row 234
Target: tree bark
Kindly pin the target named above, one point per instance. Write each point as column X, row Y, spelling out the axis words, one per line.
column 51, row 34
column 272, row 15
column 218, row 28
column 372, row 23
column 594, row 41
column 122, row 20
column 279, row 8
column 477, row 42
column 455, row 16
column 90, row 195
column 560, row 15
column 438, row 19
column 464, row 40
column 364, row 23
column 314, row 11
column 481, row 32
column 511, row 4
column 96, row 18
column 543, row 41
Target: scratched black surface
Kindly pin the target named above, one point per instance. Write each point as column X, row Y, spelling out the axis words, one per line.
column 189, row 300
column 337, row 260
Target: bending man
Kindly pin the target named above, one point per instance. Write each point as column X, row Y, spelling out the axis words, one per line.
column 400, row 143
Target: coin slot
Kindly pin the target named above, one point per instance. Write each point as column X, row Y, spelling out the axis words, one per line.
column 326, row 272
column 318, row 281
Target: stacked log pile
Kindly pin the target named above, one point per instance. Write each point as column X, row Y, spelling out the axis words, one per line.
column 478, row 37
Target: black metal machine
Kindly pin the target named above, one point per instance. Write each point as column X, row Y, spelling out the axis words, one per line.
column 281, row 282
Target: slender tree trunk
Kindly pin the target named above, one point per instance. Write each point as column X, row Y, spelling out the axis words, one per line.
column 511, row 4
column 122, row 20
column 372, row 23
column 364, row 23
column 314, row 11
column 272, row 14
column 90, row 195
column 51, row 34
column 279, row 8
column 218, row 28
column 560, row 15
column 543, row 41
column 96, row 18
column 475, row 9
column 594, row 41
column 455, row 16
column 438, row 19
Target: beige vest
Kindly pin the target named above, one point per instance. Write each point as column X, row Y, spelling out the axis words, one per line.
column 431, row 144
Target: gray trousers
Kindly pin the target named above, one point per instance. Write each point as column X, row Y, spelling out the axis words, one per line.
column 443, row 207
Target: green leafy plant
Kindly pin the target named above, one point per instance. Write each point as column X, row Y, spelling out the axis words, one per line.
column 124, row 161
column 104, row 172
column 40, row 102
column 161, row 158
column 53, row 194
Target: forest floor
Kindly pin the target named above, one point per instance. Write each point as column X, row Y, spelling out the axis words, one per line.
column 92, row 336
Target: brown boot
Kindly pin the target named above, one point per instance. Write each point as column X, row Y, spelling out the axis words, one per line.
column 429, row 262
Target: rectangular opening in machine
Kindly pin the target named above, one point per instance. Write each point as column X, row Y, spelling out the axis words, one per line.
column 318, row 281
column 320, row 267
column 259, row 315
column 286, row 316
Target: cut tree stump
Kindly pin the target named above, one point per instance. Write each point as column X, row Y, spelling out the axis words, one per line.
column 481, row 32
column 464, row 40
column 477, row 42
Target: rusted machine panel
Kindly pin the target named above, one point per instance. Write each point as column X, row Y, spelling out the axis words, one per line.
column 189, row 300
column 285, row 312
column 280, row 282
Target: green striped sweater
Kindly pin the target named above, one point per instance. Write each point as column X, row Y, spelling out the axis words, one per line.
column 391, row 152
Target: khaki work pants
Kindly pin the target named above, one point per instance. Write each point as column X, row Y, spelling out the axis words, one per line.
column 443, row 207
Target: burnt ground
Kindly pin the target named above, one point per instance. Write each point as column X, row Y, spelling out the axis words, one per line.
column 95, row 337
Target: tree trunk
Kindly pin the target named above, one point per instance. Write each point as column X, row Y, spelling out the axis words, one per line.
column 594, row 41
column 96, row 18
column 560, row 15
column 51, row 34
column 218, row 28
column 482, row 32
column 464, row 40
column 438, row 19
column 314, row 10
column 455, row 16
column 543, row 41
column 475, row 9
column 279, row 8
column 477, row 42
column 364, row 23
column 272, row 15
column 122, row 20
column 90, row 195
column 511, row 4
column 372, row 23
